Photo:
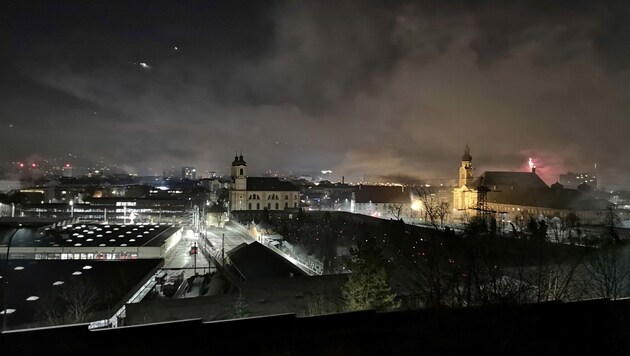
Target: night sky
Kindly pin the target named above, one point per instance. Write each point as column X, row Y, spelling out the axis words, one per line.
column 389, row 88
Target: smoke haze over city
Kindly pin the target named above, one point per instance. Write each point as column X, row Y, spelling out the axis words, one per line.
column 389, row 89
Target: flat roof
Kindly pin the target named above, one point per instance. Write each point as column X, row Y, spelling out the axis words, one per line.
column 36, row 285
column 88, row 235
column 255, row 261
column 30, row 221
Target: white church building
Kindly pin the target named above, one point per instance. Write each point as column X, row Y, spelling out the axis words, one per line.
column 258, row 193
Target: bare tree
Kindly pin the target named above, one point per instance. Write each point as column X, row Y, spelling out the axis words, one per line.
column 572, row 222
column 556, row 280
column 522, row 220
column 395, row 210
column 443, row 211
column 435, row 210
column 430, row 276
column 611, row 219
column 319, row 304
column 75, row 302
column 465, row 217
column 80, row 300
column 608, row 273
column 412, row 215
column 50, row 311
column 555, row 224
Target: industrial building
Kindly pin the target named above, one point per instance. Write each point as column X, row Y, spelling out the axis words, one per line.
column 87, row 241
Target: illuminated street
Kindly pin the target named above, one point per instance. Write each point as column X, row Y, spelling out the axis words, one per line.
column 234, row 234
column 180, row 257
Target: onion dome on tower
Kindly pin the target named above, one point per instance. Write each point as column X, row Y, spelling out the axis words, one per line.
column 467, row 157
column 238, row 161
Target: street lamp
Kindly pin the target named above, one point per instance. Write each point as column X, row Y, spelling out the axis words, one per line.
column 71, row 208
column 193, row 251
column 5, row 289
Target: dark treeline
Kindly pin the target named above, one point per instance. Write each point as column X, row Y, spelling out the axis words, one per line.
column 479, row 265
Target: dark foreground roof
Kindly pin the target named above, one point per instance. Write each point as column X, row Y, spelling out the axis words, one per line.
column 582, row 328
column 255, row 261
column 33, row 284
column 263, row 298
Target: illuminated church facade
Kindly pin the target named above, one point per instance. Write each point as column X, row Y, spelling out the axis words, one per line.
column 465, row 194
column 258, row 193
column 514, row 195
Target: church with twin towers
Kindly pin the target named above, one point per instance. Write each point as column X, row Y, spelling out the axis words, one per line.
column 258, row 193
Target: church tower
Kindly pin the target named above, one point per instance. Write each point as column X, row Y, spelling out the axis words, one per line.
column 466, row 171
column 239, row 173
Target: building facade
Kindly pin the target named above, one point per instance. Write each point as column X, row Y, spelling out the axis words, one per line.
column 465, row 195
column 189, row 173
column 386, row 202
column 509, row 196
column 572, row 180
column 258, row 193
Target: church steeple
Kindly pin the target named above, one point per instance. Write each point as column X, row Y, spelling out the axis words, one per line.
column 239, row 174
column 239, row 167
column 466, row 171
column 467, row 156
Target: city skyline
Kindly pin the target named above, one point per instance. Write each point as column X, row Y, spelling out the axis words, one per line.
column 392, row 90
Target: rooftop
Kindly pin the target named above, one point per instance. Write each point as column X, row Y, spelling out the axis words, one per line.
column 514, row 180
column 87, row 235
column 269, row 184
column 255, row 261
column 34, row 284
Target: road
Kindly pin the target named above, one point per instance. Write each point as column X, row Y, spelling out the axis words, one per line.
column 179, row 256
column 235, row 234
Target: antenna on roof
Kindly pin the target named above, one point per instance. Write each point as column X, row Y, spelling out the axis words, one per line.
column 482, row 208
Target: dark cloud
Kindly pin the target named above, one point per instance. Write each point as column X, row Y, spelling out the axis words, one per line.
column 391, row 89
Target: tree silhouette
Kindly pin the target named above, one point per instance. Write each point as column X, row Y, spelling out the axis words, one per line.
column 367, row 286
column 610, row 219
column 609, row 272
column 75, row 302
